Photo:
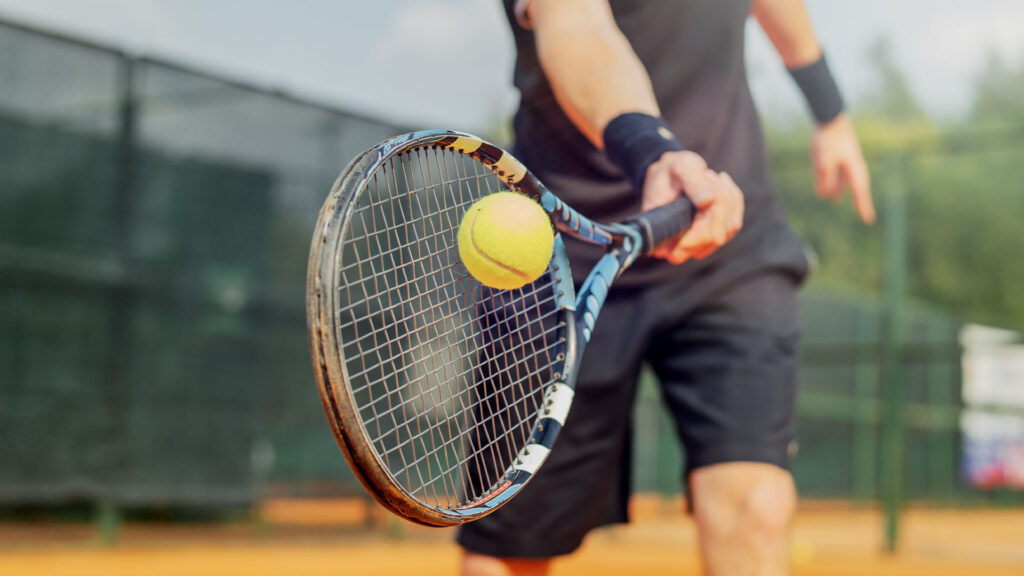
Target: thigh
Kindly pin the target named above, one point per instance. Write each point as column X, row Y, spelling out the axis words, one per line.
column 581, row 486
column 728, row 373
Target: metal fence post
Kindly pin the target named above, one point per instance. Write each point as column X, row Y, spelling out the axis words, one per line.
column 894, row 232
column 865, row 438
column 108, row 517
column 942, row 447
column 107, row 521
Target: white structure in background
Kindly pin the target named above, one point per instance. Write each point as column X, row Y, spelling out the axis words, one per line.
column 993, row 418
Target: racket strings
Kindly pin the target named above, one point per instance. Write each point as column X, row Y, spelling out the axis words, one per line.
column 486, row 419
column 448, row 375
column 369, row 208
column 464, row 374
column 466, row 323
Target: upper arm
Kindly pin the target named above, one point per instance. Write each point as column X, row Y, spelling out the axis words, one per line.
column 788, row 26
column 559, row 14
column 592, row 69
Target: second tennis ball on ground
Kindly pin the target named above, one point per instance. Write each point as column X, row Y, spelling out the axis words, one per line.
column 505, row 240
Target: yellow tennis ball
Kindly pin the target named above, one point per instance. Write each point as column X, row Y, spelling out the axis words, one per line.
column 505, row 240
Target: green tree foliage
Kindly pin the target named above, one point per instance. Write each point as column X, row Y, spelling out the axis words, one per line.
column 966, row 212
column 999, row 97
column 964, row 193
column 892, row 97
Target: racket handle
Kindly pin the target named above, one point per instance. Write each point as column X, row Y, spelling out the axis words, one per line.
column 664, row 222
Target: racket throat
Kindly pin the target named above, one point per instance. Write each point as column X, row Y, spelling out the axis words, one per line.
column 595, row 288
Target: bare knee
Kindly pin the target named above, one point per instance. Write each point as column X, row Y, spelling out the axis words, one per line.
column 480, row 565
column 747, row 503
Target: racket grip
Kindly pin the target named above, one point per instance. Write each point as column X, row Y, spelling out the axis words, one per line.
column 664, row 222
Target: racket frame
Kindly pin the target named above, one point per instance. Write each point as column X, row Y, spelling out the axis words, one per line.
column 578, row 312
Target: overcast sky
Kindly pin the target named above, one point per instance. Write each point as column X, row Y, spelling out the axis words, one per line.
column 402, row 59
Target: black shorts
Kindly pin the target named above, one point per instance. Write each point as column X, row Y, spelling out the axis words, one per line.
column 726, row 358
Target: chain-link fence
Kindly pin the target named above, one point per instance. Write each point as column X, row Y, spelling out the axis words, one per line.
column 154, row 223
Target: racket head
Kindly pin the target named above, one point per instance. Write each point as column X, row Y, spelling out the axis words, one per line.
column 445, row 396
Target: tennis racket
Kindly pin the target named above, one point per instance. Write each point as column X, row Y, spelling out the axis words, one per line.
column 445, row 395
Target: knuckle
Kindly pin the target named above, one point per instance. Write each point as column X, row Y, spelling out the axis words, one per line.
column 693, row 160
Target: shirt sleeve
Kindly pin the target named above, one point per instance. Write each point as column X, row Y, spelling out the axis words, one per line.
column 522, row 17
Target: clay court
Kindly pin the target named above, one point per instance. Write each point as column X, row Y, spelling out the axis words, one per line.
column 332, row 538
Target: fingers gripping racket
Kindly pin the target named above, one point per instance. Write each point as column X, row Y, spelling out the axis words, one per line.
column 444, row 395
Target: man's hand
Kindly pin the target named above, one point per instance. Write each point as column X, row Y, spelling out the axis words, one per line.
column 718, row 200
column 839, row 164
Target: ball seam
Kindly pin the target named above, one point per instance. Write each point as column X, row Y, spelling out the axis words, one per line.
column 472, row 240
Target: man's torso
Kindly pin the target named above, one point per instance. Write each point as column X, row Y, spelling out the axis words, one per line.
column 693, row 52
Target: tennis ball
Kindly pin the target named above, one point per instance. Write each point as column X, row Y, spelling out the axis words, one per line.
column 505, row 240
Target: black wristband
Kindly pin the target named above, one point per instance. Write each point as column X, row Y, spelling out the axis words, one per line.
column 819, row 87
column 634, row 141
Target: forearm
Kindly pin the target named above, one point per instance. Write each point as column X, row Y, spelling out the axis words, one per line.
column 590, row 65
column 603, row 88
column 838, row 161
column 788, row 26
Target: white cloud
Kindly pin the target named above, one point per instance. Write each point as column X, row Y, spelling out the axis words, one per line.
column 430, row 31
column 450, row 61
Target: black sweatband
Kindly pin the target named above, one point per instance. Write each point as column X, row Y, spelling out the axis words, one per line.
column 634, row 141
column 819, row 87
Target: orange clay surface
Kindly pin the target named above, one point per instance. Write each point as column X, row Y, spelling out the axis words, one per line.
column 333, row 537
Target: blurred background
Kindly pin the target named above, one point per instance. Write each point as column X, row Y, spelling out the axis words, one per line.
column 161, row 167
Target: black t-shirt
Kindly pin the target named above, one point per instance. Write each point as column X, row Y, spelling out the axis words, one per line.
column 693, row 52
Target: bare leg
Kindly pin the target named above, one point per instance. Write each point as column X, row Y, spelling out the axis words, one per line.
column 743, row 512
column 480, row 565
